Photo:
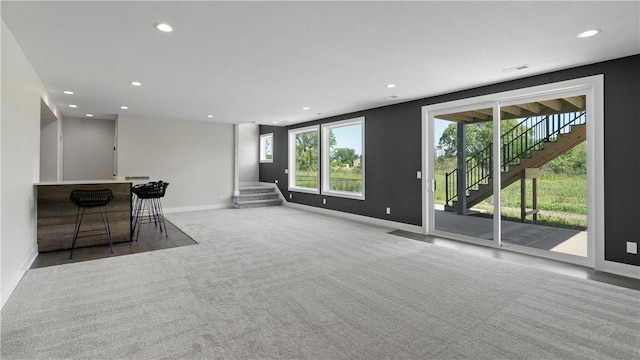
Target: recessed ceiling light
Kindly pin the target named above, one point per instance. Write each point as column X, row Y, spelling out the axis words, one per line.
column 136, row 83
column 588, row 33
column 68, row 92
column 306, row 108
column 391, row 86
column 275, row 122
column 164, row 27
column 124, row 107
column 390, row 97
column 89, row 115
column 209, row 116
column 73, row 106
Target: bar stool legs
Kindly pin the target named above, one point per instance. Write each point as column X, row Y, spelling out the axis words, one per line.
column 151, row 208
column 160, row 214
column 91, row 199
column 79, row 216
column 147, row 204
column 105, row 220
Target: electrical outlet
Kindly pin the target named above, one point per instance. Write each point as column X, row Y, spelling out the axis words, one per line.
column 324, row 201
column 632, row 247
column 286, row 171
column 388, row 211
column 419, row 174
column 290, row 196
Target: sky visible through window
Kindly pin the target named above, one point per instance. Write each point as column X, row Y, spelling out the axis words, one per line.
column 439, row 127
column 349, row 137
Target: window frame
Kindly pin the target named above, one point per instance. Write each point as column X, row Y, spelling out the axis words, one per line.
column 262, row 155
column 292, row 159
column 326, row 158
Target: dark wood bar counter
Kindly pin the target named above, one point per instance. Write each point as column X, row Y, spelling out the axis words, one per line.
column 56, row 214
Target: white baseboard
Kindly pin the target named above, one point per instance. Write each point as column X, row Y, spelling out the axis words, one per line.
column 7, row 289
column 197, row 208
column 621, row 269
column 349, row 216
column 359, row 218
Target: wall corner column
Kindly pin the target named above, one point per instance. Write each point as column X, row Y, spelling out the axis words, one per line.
column 236, row 159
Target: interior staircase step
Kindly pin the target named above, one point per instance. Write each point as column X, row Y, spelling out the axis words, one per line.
column 256, row 196
column 257, row 203
column 256, row 189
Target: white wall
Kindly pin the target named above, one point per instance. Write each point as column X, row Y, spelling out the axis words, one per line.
column 87, row 148
column 196, row 158
column 248, row 153
column 20, row 161
column 48, row 144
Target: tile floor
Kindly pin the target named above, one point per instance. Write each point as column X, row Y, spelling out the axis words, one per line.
column 150, row 239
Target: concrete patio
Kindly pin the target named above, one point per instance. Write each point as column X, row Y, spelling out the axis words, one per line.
column 566, row 241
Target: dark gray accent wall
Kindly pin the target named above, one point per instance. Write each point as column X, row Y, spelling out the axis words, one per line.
column 393, row 154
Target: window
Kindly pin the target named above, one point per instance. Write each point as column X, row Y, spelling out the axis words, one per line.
column 304, row 159
column 343, row 158
column 266, row 148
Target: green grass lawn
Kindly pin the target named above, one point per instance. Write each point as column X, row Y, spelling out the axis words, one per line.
column 555, row 193
column 349, row 180
column 562, row 200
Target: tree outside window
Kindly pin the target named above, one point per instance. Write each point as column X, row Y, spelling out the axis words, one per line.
column 343, row 160
column 304, row 159
column 266, row 148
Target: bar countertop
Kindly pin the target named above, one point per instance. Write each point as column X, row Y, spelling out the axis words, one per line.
column 118, row 180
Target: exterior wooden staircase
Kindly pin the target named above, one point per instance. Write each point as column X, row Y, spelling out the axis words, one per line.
column 536, row 153
column 256, row 196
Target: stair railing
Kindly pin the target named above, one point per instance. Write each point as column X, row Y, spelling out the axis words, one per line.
column 451, row 186
column 478, row 170
column 518, row 142
column 531, row 134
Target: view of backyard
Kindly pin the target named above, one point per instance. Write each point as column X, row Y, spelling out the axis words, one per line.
column 342, row 179
column 562, row 185
column 345, row 154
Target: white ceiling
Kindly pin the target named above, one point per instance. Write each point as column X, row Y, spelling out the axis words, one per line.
column 264, row 61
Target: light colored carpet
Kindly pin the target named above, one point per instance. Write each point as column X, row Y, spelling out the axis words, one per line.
column 276, row 282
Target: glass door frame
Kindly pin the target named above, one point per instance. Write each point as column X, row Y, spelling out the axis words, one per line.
column 592, row 88
column 429, row 213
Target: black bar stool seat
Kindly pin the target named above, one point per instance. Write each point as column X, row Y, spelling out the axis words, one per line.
column 84, row 199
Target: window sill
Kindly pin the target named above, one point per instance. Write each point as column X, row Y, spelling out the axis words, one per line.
column 304, row 190
column 344, row 194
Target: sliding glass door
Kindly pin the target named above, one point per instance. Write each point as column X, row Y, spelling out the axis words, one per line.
column 514, row 170
column 543, row 170
column 462, row 166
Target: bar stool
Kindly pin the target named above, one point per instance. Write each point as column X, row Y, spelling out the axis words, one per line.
column 91, row 199
column 147, row 203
